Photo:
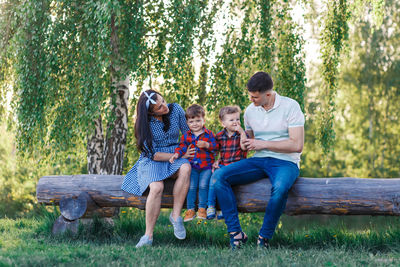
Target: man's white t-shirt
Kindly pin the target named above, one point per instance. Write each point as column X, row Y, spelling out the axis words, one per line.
column 274, row 124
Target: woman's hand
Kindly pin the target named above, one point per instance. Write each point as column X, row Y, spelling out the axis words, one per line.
column 173, row 158
column 202, row 144
column 190, row 152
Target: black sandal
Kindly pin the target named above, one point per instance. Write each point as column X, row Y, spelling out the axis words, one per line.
column 240, row 241
column 263, row 242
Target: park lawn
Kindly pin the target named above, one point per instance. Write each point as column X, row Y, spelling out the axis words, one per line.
column 299, row 241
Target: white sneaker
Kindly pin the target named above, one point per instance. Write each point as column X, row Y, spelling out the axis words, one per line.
column 179, row 229
column 144, row 241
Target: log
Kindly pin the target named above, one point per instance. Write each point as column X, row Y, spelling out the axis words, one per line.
column 72, row 208
column 62, row 225
column 339, row 196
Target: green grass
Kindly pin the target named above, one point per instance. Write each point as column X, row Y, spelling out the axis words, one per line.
column 299, row 241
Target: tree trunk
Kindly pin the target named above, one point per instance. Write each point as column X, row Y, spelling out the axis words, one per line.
column 114, row 145
column 340, row 196
column 95, row 147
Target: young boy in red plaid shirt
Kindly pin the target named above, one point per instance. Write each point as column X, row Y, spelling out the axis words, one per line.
column 230, row 146
column 203, row 141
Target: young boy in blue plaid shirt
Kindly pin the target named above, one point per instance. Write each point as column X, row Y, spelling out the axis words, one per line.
column 203, row 141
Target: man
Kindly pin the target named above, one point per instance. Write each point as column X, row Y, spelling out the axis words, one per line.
column 275, row 125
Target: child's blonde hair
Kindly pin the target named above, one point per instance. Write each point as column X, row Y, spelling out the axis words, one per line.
column 228, row 110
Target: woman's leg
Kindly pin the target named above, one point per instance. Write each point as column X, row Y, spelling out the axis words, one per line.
column 181, row 189
column 153, row 205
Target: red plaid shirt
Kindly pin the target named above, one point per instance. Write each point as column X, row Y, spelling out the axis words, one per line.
column 229, row 147
column 203, row 158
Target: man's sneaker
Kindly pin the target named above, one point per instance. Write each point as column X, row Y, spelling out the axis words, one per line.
column 210, row 213
column 263, row 243
column 179, row 229
column 144, row 241
column 189, row 215
column 220, row 216
column 202, row 213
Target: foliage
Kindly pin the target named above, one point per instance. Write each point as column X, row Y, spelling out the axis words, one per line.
column 69, row 52
column 18, row 176
column 333, row 38
column 371, row 84
column 290, row 77
column 366, row 104
column 268, row 40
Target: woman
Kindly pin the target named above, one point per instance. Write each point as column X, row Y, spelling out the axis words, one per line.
column 157, row 133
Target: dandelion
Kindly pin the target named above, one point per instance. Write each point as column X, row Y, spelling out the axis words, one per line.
column 199, row 222
column 205, row 222
column 280, row 225
column 124, row 211
column 225, row 235
column 334, row 236
column 307, row 236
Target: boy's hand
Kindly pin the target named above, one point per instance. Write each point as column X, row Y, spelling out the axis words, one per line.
column 173, row 158
column 239, row 128
column 190, row 152
column 253, row 144
column 202, row 144
column 215, row 166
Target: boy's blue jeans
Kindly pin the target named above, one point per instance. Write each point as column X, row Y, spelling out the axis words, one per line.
column 282, row 175
column 199, row 179
column 212, row 198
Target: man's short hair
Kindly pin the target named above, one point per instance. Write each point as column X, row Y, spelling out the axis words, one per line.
column 228, row 110
column 260, row 82
column 195, row 111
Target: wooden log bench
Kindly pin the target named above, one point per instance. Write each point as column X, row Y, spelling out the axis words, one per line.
column 78, row 195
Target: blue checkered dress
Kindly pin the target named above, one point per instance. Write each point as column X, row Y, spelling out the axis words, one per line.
column 146, row 170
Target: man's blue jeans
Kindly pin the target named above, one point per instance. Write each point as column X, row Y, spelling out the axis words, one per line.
column 282, row 175
column 199, row 179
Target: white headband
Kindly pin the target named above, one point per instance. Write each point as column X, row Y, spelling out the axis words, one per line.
column 149, row 100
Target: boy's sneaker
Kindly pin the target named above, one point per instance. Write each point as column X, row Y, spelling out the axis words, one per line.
column 202, row 213
column 210, row 213
column 189, row 215
column 220, row 216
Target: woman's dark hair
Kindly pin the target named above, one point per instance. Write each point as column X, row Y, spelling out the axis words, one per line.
column 260, row 82
column 142, row 125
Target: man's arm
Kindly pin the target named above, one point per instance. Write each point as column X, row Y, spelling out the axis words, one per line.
column 295, row 142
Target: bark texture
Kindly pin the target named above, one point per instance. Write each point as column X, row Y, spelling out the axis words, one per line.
column 95, row 146
column 114, row 145
column 341, row 196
